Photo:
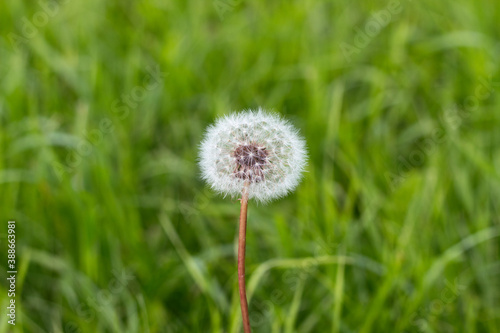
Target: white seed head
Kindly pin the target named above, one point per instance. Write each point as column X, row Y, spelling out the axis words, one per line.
column 256, row 147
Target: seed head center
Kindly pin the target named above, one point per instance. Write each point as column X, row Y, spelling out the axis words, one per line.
column 250, row 160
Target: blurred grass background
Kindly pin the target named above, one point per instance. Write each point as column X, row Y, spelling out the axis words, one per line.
column 395, row 227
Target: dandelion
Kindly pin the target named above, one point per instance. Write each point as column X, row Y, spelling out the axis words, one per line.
column 255, row 155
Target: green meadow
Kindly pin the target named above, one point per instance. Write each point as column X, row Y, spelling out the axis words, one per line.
column 395, row 226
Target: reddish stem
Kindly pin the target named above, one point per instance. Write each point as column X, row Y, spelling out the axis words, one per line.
column 241, row 259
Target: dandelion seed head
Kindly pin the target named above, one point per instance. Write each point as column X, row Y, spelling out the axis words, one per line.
column 256, row 147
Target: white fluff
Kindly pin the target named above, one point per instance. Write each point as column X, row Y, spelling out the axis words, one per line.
column 287, row 155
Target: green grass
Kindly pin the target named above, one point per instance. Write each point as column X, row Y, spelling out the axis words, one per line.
column 395, row 227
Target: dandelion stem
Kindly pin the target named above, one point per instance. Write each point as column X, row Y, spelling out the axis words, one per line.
column 241, row 258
